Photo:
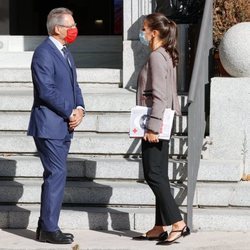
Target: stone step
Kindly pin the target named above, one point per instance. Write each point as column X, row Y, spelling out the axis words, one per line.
column 16, row 59
column 89, row 43
column 111, row 100
column 96, row 99
column 93, row 121
column 105, row 59
column 118, row 168
column 84, row 75
column 88, row 51
column 96, row 122
column 88, row 143
column 219, row 194
column 117, row 218
column 83, row 85
column 102, row 192
column 21, row 190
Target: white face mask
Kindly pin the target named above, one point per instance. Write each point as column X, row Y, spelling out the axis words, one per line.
column 143, row 38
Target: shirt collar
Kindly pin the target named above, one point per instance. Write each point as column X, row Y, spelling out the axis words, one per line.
column 57, row 43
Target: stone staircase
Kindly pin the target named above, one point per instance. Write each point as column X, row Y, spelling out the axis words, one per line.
column 88, row 51
column 105, row 187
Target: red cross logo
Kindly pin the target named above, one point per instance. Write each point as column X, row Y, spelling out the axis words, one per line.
column 135, row 130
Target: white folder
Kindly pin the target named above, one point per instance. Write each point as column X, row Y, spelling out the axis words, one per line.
column 139, row 118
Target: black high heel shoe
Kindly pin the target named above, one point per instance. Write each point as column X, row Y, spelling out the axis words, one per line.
column 185, row 231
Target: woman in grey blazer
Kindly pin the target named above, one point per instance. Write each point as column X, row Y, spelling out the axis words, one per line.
column 157, row 89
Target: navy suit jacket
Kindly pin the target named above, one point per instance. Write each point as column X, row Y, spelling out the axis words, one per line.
column 56, row 92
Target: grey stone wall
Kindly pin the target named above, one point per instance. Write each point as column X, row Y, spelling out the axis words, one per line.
column 230, row 120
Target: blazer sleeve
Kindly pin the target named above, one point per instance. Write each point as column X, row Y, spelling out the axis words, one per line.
column 157, row 69
column 78, row 92
column 79, row 97
column 43, row 77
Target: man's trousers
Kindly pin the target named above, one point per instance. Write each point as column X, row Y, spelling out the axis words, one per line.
column 53, row 155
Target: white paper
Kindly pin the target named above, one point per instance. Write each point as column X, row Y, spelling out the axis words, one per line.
column 139, row 119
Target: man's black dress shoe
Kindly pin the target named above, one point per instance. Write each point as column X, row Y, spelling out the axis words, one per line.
column 163, row 236
column 69, row 235
column 54, row 237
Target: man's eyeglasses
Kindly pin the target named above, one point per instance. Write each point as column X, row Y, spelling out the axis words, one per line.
column 68, row 26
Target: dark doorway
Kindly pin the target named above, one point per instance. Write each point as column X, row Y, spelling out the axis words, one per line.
column 95, row 17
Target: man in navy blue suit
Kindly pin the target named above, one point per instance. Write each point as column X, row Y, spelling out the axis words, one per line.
column 57, row 110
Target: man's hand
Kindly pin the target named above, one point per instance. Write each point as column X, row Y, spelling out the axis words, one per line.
column 151, row 136
column 75, row 118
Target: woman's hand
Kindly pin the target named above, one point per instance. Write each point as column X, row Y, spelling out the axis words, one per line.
column 151, row 136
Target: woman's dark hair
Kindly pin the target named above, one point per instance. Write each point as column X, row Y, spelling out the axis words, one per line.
column 167, row 32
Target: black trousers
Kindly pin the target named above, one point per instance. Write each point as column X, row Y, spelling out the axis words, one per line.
column 155, row 167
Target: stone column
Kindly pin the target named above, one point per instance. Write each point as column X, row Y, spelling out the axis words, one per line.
column 134, row 53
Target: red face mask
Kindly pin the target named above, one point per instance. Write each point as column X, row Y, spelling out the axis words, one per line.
column 71, row 35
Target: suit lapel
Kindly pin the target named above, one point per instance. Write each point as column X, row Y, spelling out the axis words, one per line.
column 58, row 54
column 71, row 69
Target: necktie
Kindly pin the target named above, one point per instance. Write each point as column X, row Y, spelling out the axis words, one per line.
column 66, row 55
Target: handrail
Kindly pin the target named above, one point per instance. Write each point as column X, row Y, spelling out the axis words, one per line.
column 196, row 108
column 205, row 34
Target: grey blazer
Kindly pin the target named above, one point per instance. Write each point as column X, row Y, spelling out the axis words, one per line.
column 156, row 87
